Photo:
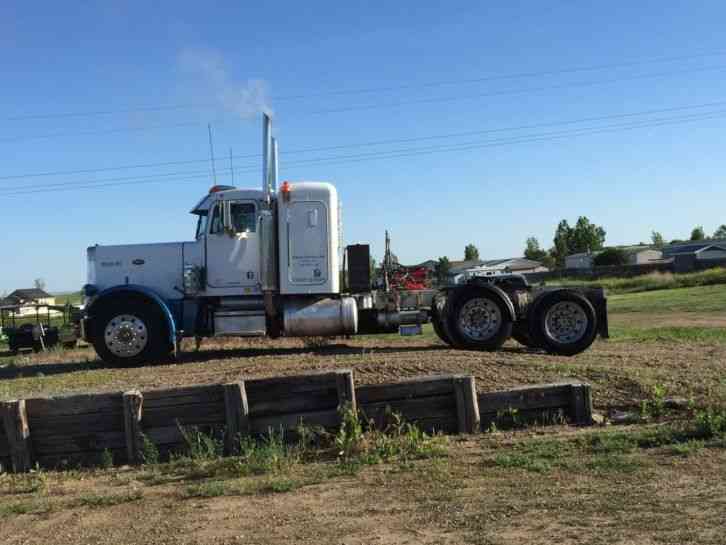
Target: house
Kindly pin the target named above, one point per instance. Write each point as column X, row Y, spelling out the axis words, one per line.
column 581, row 260
column 33, row 296
column 637, row 255
column 696, row 255
column 702, row 250
column 27, row 298
column 460, row 271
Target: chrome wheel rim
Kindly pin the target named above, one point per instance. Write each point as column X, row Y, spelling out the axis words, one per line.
column 126, row 336
column 480, row 319
column 566, row 322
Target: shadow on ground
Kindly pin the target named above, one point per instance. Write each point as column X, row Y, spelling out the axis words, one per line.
column 13, row 371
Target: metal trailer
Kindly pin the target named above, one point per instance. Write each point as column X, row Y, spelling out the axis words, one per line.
column 270, row 263
column 38, row 331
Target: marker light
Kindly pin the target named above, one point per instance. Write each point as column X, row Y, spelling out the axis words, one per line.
column 285, row 189
column 218, row 188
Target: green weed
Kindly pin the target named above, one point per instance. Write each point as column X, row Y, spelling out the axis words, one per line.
column 109, row 500
column 149, row 451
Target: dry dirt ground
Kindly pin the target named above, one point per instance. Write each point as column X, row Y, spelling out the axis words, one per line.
column 479, row 492
column 622, row 373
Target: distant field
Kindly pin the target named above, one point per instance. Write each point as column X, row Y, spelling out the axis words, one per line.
column 694, row 300
column 73, row 298
column 650, row 282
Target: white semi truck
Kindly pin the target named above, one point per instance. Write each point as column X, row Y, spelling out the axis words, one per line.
column 269, row 262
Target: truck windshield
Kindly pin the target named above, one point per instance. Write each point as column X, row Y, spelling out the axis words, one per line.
column 201, row 224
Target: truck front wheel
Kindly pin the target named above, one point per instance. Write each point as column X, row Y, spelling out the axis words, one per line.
column 130, row 333
column 478, row 321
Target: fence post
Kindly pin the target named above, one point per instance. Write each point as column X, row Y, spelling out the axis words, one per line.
column 133, row 410
column 346, row 389
column 237, row 414
column 15, row 421
column 467, row 405
column 581, row 406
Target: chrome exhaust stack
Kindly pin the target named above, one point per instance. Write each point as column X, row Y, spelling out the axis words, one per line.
column 267, row 162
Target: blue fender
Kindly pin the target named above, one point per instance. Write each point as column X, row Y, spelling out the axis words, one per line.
column 133, row 289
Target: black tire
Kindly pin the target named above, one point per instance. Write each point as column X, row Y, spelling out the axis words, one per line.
column 437, row 313
column 468, row 329
column 521, row 334
column 575, row 335
column 143, row 319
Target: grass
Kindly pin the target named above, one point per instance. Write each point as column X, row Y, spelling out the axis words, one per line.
column 615, row 451
column 668, row 334
column 650, row 282
column 109, row 500
column 698, row 299
column 274, row 464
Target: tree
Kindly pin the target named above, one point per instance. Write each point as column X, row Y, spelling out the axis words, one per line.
column 443, row 266
column 698, row 233
column 610, row 256
column 471, row 253
column 586, row 236
column 562, row 243
column 583, row 237
column 39, row 283
column 533, row 251
column 720, row 233
column 657, row 239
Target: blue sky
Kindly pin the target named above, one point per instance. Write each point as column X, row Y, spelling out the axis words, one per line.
column 348, row 73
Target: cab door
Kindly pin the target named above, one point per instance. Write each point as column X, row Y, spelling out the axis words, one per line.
column 232, row 248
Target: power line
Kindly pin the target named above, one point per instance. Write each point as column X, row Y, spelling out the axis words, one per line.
column 441, row 149
column 440, row 83
column 362, row 144
column 510, row 91
column 380, row 106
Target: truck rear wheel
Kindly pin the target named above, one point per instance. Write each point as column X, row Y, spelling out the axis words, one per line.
column 564, row 323
column 130, row 333
column 478, row 320
column 438, row 306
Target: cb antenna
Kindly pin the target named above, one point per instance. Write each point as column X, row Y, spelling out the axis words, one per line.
column 231, row 166
column 211, row 153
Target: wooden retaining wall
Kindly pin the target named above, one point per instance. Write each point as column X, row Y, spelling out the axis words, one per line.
column 80, row 429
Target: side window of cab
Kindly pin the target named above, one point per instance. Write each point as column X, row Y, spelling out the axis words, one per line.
column 216, row 225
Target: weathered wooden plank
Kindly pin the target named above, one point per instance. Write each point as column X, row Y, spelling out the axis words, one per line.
column 237, row 415
column 79, row 459
column 17, row 432
column 133, row 403
column 437, row 425
column 281, row 387
column 91, row 442
column 171, row 437
column 525, row 417
column 540, row 396
column 313, row 400
column 213, row 393
column 326, row 419
column 4, row 446
column 412, row 409
column 420, row 387
column 581, row 404
column 187, row 415
column 467, row 406
column 346, row 389
column 39, row 408
column 81, row 423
